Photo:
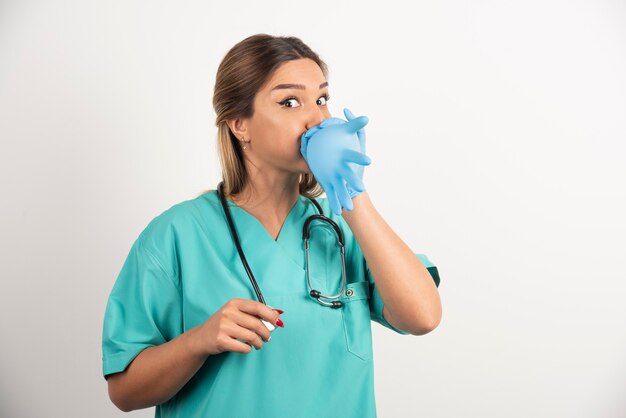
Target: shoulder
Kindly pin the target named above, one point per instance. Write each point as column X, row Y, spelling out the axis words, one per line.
column 173, row 229
column 175, row 222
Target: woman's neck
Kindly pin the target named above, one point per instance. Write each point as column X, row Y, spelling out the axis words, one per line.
column 269, row 199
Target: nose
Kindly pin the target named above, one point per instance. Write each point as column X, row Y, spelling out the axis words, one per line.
column 315, row 117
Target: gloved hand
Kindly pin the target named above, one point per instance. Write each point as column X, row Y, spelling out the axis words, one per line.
column 336, row 156
column 358, row 169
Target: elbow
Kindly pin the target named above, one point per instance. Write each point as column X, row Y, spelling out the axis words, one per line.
column 424, row 326
column 122, row 408
column 115, row 390
column 421, row 330
column 417, row 325
column 119, row 403
column 427, row 320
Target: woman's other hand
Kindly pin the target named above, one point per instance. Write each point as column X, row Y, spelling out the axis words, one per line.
column 238, row 319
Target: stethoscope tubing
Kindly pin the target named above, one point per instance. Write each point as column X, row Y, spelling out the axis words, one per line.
column 306, row 235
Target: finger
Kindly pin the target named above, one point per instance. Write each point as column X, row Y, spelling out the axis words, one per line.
column 304, row 143
column 237, row 346
column 360, row 133
column 256, row 324
column 332, row 200
column 357, row 123
column 353, row 156
column 247, row 336
column 343, row 195
column 258, row 310
column 352, row 179
column 309, row 133
column 304, row 139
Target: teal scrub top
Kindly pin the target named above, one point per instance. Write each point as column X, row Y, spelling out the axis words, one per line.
column 184, row 267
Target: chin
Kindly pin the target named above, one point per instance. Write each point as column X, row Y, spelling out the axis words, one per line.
column 305, row 167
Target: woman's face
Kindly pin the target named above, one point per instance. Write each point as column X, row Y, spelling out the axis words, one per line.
column 283, row 112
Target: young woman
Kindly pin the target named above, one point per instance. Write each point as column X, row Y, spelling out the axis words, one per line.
column 210, row 278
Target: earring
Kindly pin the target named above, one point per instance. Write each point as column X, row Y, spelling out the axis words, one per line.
column 244, row 142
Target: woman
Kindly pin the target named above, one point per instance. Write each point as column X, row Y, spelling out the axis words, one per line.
column 183, row 316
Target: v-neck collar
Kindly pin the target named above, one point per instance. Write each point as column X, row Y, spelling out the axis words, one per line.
column 263, row 252
column 289, row 241
column 295, row 210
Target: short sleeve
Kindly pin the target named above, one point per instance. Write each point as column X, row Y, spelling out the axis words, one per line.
column 376, row 302
column 144, row 309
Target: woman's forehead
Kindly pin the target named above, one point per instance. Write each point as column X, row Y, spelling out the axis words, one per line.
column 302, row 74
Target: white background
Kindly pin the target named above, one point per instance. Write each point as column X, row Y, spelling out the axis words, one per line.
column 497, row 133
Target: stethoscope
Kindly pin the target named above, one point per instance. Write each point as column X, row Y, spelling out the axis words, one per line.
column 316, row 294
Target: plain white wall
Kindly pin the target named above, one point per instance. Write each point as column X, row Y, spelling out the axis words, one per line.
column 497, row 133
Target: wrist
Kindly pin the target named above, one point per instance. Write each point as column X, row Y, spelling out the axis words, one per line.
column 353, row 193
column 193, row 343
column 360, row 204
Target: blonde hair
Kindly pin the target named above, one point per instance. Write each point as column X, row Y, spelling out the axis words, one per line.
column 241, row 74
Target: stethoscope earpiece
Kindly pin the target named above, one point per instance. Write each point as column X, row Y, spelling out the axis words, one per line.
column 316, row 294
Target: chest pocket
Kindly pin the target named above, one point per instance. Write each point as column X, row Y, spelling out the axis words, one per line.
column 357, row 320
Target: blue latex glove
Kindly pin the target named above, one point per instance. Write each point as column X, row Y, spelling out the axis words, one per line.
column 358, row 169
column 332, row 149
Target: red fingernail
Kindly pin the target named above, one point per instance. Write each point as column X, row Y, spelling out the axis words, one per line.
column 280, row 323
column 280, row 311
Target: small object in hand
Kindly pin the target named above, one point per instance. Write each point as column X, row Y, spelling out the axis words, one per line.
column 268, row 325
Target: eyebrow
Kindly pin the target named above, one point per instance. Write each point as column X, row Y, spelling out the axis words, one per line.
column 296, row 86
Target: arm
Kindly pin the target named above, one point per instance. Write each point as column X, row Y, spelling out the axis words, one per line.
column 156, row 374
column 412, row 302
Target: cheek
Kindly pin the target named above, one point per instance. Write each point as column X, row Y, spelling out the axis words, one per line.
column 280, row 135
column 283, row 145
column 282, row 130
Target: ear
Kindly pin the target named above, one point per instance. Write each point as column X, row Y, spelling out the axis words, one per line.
column 238, row 127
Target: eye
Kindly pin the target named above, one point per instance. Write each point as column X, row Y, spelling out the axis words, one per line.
column 326, row 98
column 287, row 100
